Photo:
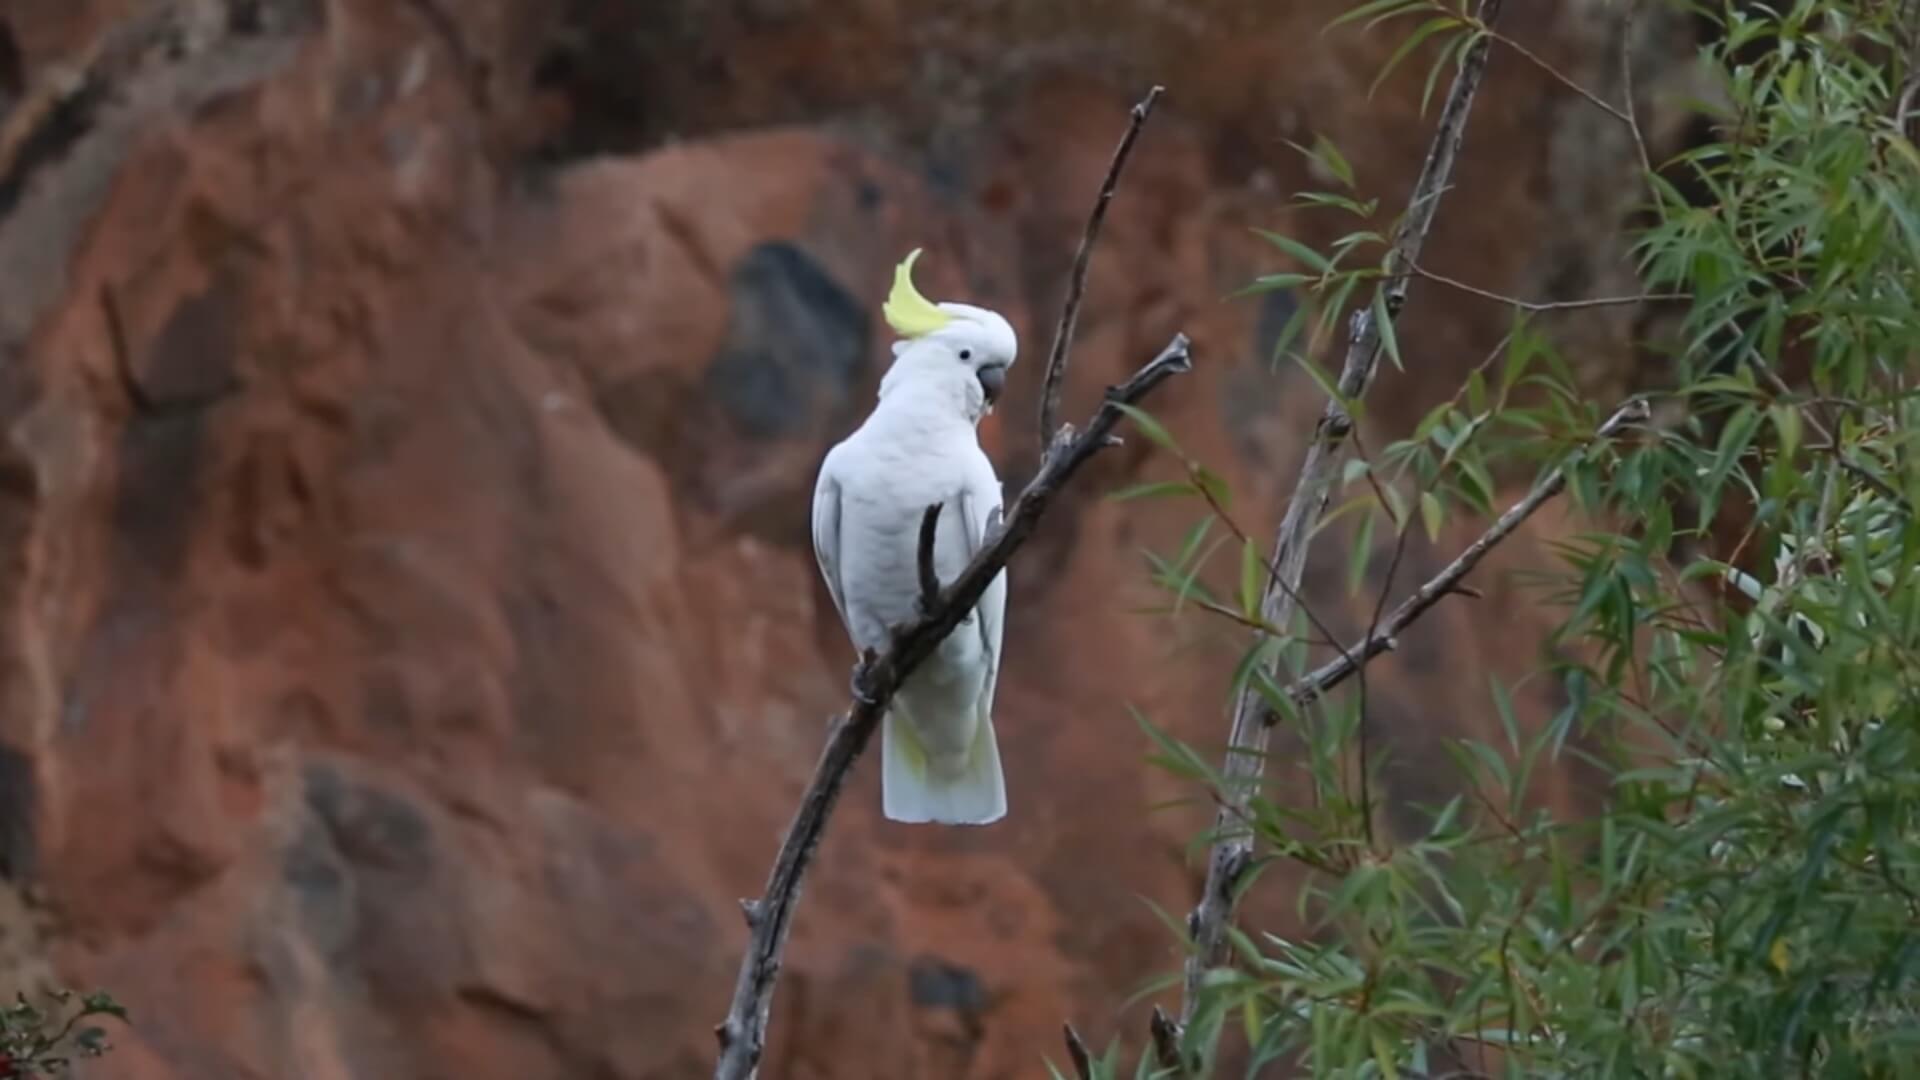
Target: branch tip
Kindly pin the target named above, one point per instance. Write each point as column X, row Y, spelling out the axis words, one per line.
column 1166, row 1041
column 1056, row 369
column 1077, row 1051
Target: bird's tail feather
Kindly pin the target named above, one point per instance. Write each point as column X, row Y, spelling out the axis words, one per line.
column 914, row 788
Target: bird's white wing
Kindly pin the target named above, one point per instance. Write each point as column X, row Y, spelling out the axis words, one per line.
column 826, row 533
column 980, row 509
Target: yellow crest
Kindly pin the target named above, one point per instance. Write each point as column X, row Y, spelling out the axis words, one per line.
column 910, row 314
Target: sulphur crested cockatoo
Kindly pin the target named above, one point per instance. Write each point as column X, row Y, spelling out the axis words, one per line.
column 919, row 446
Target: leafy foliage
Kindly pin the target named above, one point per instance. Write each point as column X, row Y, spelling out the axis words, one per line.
column 45, row 1039
column 1747, row 900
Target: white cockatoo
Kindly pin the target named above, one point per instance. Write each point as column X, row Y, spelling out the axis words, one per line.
column 920, row 446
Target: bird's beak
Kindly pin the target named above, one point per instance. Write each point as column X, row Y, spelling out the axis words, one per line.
column 993, row 379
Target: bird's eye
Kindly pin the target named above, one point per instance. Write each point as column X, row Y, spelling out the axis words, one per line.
column 966, row 354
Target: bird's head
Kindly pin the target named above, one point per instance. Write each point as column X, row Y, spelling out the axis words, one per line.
column 946, row 339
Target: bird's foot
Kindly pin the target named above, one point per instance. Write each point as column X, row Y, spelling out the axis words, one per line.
column 857, row 682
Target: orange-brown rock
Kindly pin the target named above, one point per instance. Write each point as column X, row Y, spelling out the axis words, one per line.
column 410, row 642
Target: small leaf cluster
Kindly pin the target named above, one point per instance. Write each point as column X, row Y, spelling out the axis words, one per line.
column 45, row 1038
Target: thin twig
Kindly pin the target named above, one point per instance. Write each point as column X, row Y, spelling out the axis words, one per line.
column 1535, row 59
column 1626, row 80
column 1405, row 529
column 1276, row 579
column 1077, row 1052
column 1541, row 305
column 1232, row 852
column 1335, row 671
column 743, row 1034
column 1077, row 282
column 929, row 578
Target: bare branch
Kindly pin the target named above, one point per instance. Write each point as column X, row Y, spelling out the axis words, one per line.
column 929, row 579
column 743, row 1034
column 1056, row 369
column 1246, row 754
column 1382, row 639
column 1077, row 1051
column 1541, row 305
column 1555, row 73
column 1626, row 81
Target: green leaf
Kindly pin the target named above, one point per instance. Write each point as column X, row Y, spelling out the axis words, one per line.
column 1504, row 706
column 1271, row 282
column 1383, row 1056
column 1452, row 52
column 1320, row 379
column 1383, row 322
column 1151, row 428
column 101, row 1003
column 1154, row 490
column 1361, row 554
column 1328, row 155
column 1431, row 514
column 1252, row 567
column 1786, row 422
column 1298, row 251
column 1412, row 42
column 1373, row 8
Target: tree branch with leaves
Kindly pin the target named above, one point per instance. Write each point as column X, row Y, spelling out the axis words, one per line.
column 1735, row 649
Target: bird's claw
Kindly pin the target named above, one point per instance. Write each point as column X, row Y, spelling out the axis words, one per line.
column 856, row 685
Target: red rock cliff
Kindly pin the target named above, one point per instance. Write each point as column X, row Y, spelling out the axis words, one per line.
column 411, row 646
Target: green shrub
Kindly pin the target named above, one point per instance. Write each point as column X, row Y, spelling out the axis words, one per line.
column 1747, row 900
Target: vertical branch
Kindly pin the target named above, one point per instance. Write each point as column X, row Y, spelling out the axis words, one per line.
column 1233, row 851
column 1626, row 79
column 1056, row 369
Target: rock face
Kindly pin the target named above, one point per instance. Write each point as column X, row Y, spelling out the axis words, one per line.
column 411, row 646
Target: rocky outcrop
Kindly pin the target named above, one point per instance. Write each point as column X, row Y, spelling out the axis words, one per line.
column 410, row 642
